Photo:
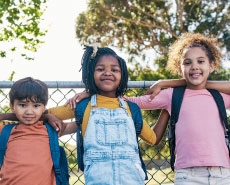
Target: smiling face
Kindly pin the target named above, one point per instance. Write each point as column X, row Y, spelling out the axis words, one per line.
column 27, row 112
column 196, row 67
column 107, row 76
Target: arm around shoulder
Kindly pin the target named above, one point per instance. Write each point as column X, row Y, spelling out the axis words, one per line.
column 221, row 86
column 69, row 128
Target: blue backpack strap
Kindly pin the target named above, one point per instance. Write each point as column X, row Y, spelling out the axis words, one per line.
column 137, row 116
column 4, row 137
column 177, row 98
column 138, row 123
column 222, row 111
column 79, row 114
column 55, row 152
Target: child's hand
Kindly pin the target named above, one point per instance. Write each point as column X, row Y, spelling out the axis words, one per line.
column 154, row 90
column 78, row 97
column 56, row 123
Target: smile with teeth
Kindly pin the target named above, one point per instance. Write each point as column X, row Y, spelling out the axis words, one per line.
column 195, row 75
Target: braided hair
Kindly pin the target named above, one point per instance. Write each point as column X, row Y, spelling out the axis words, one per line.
column 89, row 61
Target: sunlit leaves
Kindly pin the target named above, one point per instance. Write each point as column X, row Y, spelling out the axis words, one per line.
column 20, row 20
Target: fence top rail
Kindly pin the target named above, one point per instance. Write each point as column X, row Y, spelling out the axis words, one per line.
column 79, row 84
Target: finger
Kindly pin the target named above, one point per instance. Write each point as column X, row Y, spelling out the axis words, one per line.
column 66, row 103
column 59, row 125
column 152, row 96
column 55, row 126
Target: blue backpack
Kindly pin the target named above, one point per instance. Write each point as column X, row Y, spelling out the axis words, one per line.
column 60, row 163
column 177, row 98
column 79, row 113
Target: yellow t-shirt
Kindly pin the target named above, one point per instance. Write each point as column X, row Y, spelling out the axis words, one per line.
column 64, row 113
column 6, row 122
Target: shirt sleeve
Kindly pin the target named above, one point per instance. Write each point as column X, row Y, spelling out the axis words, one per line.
column 6, row 122
column 147, row 134
column 62, row 112
column 161, row 101
column 1, row 127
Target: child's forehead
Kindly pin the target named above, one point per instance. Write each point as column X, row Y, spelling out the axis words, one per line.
column 28, row 100
column 108, row 59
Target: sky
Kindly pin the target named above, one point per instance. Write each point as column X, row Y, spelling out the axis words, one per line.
column 59, row 58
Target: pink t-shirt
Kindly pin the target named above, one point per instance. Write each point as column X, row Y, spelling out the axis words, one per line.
column 200, row 139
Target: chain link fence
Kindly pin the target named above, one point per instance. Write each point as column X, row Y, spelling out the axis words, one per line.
column 156, row 158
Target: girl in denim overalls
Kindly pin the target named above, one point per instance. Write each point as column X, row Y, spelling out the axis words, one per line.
column 110, row 146
column 111, row 154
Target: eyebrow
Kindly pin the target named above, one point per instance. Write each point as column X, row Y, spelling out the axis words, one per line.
column 190, row 58
column 114, row 65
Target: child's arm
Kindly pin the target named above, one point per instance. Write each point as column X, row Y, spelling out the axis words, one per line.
column 69, row 128
column 161, row 125
column 156, row 88
column 154, row 136
column 8, row 116
column 223, row 86
column 56, row 123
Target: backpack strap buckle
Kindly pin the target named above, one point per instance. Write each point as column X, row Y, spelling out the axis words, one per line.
column 57, row 171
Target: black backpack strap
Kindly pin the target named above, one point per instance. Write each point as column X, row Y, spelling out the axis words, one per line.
column 138, row 123
column 55, row 151
column 177, row 98
column 4, row 137
column 79, row 114
column 222, row 111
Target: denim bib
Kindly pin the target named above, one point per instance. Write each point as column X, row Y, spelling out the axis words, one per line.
column 111, row 155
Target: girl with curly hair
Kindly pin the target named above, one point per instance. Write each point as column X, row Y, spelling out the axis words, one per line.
column 202, row 156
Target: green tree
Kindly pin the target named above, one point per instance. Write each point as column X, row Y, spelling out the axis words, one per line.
column 20, row 21
column 140, row 25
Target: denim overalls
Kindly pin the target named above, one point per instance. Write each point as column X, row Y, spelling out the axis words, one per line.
column 111, row 154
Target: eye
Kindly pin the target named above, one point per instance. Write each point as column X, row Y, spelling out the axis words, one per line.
column 22, row 104
column 99, row 69
column 37, row 105
column 200, row 61
column 115, row 70
column 186, row 62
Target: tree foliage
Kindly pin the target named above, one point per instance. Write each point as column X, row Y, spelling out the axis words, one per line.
column 140, row 25
column 20, row 21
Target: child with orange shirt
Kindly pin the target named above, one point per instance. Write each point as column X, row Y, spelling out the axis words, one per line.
column 28, row 158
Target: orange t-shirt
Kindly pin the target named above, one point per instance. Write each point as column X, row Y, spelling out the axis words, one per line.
column 28, row 158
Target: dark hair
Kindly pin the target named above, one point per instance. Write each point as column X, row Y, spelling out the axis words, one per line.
column 88, row 66
column 30, row 89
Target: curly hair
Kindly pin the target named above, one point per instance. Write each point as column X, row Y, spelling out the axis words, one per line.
column 190, row 40
column 89, row 61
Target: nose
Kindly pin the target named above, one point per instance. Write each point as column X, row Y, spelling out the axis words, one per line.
column 107, row 73
column 194, row 66
column 29, row 110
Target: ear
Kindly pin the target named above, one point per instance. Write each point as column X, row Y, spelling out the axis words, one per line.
column 12, row 108
column 211, row 67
